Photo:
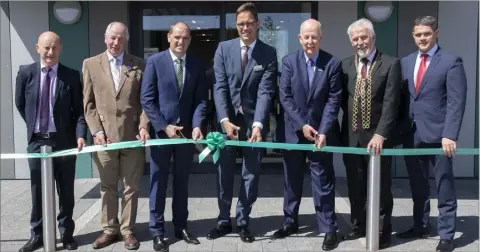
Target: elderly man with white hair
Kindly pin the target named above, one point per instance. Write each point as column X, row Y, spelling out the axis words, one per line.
column 113, row 113
column 371, row 96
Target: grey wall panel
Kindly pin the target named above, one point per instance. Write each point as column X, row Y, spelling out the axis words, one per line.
column 7, row 170
column 27, row 21
column 407, row 13
column 98, row 22
column 457, row 20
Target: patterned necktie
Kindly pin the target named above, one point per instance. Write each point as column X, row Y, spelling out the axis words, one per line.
column 116, row 72
column 421, row 71
column 311, row 71
column 179, row 74
column 364, row 68
column 245, row 59
column 45, row 103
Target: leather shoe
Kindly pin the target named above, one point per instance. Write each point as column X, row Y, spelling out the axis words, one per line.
column 159, row 244
column 444, row 246
column 285, row 231
column 413, row 233
column 131, row 242
column 33, row 244
column 355, row 234
column 245, row 235
column 330, row 241
column 104, row 240
column 69, row 243
column 384, row 241
column 219, row 231
column 185, row 235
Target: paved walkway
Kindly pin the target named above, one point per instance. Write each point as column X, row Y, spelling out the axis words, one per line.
column 267, row 217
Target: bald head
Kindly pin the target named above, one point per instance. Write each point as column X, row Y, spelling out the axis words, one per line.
column 179, row 38
column 310, row 36
column 49, row 47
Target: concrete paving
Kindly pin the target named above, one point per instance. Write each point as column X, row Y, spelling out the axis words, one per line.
column 267, row 216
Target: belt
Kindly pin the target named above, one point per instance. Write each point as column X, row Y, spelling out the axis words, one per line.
column 45, row 135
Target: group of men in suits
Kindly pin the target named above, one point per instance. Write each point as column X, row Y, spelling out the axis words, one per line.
column 124, row 99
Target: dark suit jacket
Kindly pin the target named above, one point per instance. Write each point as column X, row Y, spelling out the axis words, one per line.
column 386, row 92
column 438, row 108
column 317, row 106
column 67, row 109
column 160, row 94
column 254, row 91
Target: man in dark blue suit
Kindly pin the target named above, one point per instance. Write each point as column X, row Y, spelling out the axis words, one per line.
column 174, row 96
column 310, row 93
column 245, row 78
column 48, row 96
column 436, row 86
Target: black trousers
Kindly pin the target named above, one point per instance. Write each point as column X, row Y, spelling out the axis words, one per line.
column 64, row 175
column 357, row 171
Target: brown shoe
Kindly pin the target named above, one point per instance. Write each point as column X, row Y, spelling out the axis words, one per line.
column 104, row 240
column 131, row 242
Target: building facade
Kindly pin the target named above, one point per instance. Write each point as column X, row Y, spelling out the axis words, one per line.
column 211, row 22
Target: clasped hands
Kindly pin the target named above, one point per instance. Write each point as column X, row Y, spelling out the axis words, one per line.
column 312, row 135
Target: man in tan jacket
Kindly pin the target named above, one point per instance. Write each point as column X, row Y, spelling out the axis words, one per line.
column 113, row 113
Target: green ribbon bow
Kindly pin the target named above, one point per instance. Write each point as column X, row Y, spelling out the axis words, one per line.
column 215, row 142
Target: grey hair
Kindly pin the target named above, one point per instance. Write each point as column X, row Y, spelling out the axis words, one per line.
column 318, row 24
column 109, row 27
column 361, row 24
column 427, row 21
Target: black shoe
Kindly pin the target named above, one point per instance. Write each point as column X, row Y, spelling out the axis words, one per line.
column 330, row 241
column 413, row 233
column 245, row 235
column 285, row 231
column 183, row 234
column 219, row 231
column 355, row 234
column 33, row 244
column 159, row 244
column 69, row 243
column 384, row 241
column 444, row 246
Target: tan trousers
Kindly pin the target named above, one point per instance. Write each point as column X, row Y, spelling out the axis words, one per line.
column 126, row 165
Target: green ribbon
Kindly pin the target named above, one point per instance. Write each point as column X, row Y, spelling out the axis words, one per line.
column 215, row 141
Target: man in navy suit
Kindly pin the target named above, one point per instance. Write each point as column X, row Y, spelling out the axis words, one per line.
column 310, row 93
column 48, row 96
column 437, row 89
column 245, row 79
column 174, row 96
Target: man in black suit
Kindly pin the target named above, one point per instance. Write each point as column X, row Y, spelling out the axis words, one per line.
column 48, row 96
column 371, row 96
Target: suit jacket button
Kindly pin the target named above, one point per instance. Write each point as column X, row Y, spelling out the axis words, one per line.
column 117, row 98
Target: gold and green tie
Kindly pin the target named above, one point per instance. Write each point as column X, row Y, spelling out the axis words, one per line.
column 179, row 74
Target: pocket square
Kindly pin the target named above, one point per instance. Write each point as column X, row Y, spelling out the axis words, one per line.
column 320, row 70
column 257, row 68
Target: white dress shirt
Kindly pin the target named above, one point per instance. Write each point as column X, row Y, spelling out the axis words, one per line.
column 53, row 84
column 174, row 58
column 115, row 68
column 430, row 53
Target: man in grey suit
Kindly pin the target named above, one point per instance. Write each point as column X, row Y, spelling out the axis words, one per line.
column 245, row 79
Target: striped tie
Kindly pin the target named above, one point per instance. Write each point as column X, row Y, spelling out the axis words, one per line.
column 179, row 74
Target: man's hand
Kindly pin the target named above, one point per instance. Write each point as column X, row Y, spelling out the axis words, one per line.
column 449, row 147
column 256, row 135
column 320, row 141
column 143, row 135
column 375, row 144
column 80, row 143
column 197, row 134
column 231, row 130
column 171, row 131
column 99, row 139
column 309, row 132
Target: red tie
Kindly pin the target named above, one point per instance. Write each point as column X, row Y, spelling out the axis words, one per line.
column 421, row 71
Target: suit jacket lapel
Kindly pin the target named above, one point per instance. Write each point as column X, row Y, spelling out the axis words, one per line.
column 187, row 73
column 377, row 60
column 237, row 60
column 105, row 65
column 169, row 67
column 319, row 65
column 430, row 70
column 251, row 62
column 36, row 86
column 411, row 73
column 353, row 75
column 127, row 61
column 303, row 73
column 59, row 84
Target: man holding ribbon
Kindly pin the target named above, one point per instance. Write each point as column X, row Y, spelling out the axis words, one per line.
column 371, row 95
column 310, row 93
column 114, row 114
column 174, row 96
column 245, row 79
column 48, row 96
column 436, row 86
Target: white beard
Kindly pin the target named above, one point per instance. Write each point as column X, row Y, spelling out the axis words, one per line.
column 364, row 53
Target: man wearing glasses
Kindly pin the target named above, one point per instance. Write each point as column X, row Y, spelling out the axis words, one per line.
column 245, row 79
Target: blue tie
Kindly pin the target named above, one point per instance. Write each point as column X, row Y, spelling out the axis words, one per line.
column 45, row 103
column 311, row 71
